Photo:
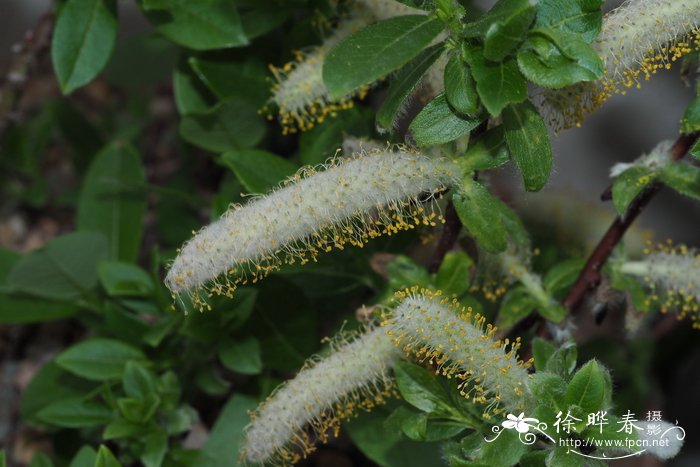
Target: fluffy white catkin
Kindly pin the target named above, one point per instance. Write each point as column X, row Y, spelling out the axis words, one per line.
column 637, row 39
column 673, row 274
column 439, row 330
column 326, row 391
column 347, row 201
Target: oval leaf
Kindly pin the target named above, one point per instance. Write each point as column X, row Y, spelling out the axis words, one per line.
column 112, row 200
column 64, row 269
column 98, row 359
column 82, row 41
column 479, row 212
column 200, row 25
column 528, row 142
column 460, row 88
column 376, row 51
column 438, row 124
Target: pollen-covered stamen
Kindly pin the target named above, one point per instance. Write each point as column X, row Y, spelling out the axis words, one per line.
column 328, row 390
column 299, row 94
column 348, row 201
column 461, row 345
column 673, row 275
column 637, row 39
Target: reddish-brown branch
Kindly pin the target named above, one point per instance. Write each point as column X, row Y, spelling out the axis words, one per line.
column 448, row 238
column 590, row 276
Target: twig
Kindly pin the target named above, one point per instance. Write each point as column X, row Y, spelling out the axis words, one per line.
column 453, row 225
column 450, row 232
column 590, row 277
column 26, row 56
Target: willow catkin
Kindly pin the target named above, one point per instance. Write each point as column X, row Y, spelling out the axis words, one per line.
column 347, row 201
column 328, row 390
column 461, row 345
column 637, row 39
column 673, row 275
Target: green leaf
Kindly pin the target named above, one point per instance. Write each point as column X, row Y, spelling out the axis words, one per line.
column 562, row 361
column 227, row 434
column 241, row 355
column 403, row 85
column 75, row 413
column 563, row 275
column 629, row 184
column 528, row 142
column 500, row 12
column 375, row 51
column 259, row 171
column 124, row 279
column 460, row 88
column 85, row 457
column 555, row 59
column 51, row 384
column 498, row 83
column 389, row 449
column 65, row 269
column 439, row 430
column 138, row 382
column 683, row 178
column 201, row 25
column 549, row 390
column 561, row 456
column 505, row 450
column 487, row 152
column 420, row 388
column 40, row 460
column 227, row 79
column 505, row 34
column 138, row 411
column 105, row 458
column 191, row 95
column 480, row 214
column 695, row 150
column 454, row 275
column 16, row 310
column 427, row 5
column 405, row 272
column 112, row 200
column 155, row 448
column 180, row 420
column 98, row 359
column 415, row 425
column 581, row 17
column 438, row 124
column 231, row 124
column 263, row 18
column 83, row 39
column 209, row 379
column 516, row 304
column 3, row 460
column 121, row 428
